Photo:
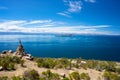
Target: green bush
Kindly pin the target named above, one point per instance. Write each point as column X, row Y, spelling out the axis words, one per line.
column 66, row 78
column 32, row 75
column 4, row 64
column 11, row 66
column 118, row 70
column 4, row 78
column 16, row 78
column 46, row 62
column 22, row 63
column 111, row 66
column 48, row 75
column 8, row 63
column 74, row 76
column 15, row 59
column 110, row 76
column 85, row 76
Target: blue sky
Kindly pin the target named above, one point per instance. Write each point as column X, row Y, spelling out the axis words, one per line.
column 60, row 16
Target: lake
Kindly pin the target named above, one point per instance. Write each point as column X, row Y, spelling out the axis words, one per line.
column 76, row 46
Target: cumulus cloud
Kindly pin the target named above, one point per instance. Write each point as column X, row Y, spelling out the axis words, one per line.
column 49, row 26
column 74, row 6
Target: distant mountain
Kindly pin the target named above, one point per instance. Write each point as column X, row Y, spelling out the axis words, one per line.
column 9, row 33
column 19, row 33
column 56, row 34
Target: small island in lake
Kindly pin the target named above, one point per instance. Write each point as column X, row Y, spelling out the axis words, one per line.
column 22, row 66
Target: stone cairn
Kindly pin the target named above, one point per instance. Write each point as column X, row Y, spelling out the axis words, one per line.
column 20, row 50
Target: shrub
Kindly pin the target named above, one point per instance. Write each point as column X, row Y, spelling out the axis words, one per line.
column 48, row 75
column 15, row 59
column 8, row 63
column 85, row 76
column 4, row 78
column 110, row 76
column 16, row 78
column 75, row 76
column 46, row 62
column 11, row 66
column 22, row 63
column 4, row 64
column 111, row 66
column 66, row 78
column 118, row 70
column 32, row 75
column 65, row 63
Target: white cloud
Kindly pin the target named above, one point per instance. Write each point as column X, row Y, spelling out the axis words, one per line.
column 74, row 6
column 10, row 22
column 91, row 1
column 39, row 21
column 64, row 14
column 7, row 25
column 50, row 27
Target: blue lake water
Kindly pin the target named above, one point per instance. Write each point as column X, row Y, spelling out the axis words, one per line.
column 84, row 46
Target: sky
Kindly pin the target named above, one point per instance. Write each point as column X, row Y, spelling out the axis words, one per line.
column 60, row 16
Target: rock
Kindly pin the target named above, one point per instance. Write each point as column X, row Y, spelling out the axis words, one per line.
column 1, row 68
column 74, row 61
column 63, row 75
column 10, row 51
column 4, row 52
column 83, row 62
column 28, row 57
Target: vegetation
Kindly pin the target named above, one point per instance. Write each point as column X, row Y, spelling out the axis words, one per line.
column 22, row 63
column 77, row 76
column 117, row 70
column 110, row 76
column 4, row 78
column 31, row 75
column 53, row 63
column 47, row 63
column 84, row 76
column 74, row 76
column 66, row 78
column 8, row 62
column 67, row 64
column 16, row 78
column 111, row 69
column 48, row 75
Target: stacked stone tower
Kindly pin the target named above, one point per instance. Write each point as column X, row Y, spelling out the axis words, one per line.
column 20, row 50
